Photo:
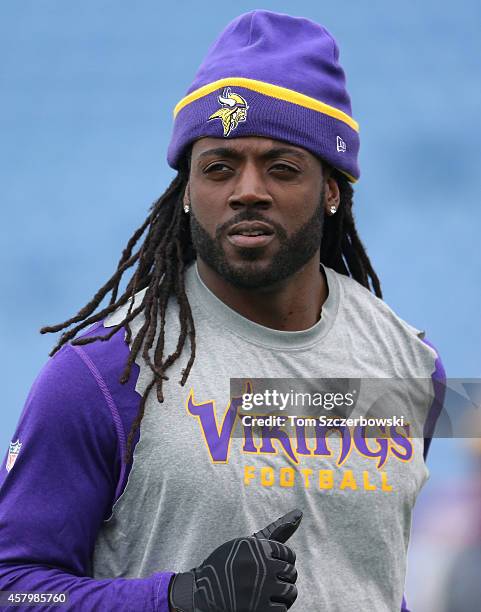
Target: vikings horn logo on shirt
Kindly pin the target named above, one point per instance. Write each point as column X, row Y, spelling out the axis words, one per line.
column 233, row 111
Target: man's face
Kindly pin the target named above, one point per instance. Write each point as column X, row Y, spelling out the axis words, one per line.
column 257, row 208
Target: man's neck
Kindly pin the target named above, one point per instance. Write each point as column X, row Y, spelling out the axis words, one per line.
column 292, row 305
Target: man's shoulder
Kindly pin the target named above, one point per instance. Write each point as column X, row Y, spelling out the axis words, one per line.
column 361, row 308
column 79, row 388
column 101, row 350
column 362, row 300
column 65, row 401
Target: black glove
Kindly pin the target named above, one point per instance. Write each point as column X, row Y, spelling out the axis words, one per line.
column 251, row 574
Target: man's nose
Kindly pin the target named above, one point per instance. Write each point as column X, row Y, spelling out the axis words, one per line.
column 250, row 190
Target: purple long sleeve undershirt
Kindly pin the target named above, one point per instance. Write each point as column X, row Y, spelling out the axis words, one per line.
column 68, row 474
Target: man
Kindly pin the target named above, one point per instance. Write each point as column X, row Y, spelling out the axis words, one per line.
column 128, row 490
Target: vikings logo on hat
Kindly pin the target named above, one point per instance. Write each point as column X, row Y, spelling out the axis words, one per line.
column 13, row 451
column 233, row 111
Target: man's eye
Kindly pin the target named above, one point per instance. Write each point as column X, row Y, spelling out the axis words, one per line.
column 284, row 168
column 217, row 167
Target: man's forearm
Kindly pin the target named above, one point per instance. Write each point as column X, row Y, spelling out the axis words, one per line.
column 85, row 593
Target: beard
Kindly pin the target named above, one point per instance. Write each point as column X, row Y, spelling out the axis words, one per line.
column 293, row 253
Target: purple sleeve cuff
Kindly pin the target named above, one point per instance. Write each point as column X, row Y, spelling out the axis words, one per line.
column 162, row 598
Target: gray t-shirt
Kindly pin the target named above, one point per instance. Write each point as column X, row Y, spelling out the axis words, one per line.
column 200, row 478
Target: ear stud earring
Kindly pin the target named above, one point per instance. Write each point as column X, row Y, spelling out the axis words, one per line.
column 186, row 208
column 332, row 210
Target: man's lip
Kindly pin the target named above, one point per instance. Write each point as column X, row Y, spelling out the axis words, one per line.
column 243, row 226
column 250, row 242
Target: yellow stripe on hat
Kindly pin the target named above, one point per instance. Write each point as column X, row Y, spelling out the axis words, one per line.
column 275, row 91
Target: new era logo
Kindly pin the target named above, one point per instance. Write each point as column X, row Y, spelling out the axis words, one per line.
column 341, row 145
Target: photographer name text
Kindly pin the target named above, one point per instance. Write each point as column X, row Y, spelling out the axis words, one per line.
column 324, row 421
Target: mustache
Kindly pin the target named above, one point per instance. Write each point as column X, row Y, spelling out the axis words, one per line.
column 250, row 215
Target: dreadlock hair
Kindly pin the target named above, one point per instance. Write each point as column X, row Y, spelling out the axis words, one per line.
column 160, row 262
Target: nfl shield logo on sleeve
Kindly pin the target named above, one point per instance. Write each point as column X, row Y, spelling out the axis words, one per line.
column 13, row 451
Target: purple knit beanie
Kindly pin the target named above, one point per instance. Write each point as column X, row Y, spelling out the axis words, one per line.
column 269, row 74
